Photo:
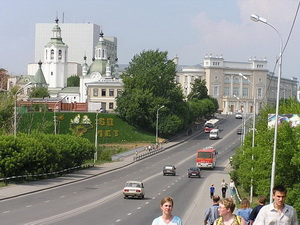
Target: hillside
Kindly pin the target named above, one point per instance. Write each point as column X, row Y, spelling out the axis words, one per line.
column 111, row 129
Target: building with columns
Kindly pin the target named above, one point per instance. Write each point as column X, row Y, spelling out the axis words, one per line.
column 237, row 84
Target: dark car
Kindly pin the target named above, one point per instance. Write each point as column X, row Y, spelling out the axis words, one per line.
column 239, row 131
column 194, row 172
column 169, row 170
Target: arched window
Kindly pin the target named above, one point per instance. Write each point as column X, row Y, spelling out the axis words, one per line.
column 59, row 55
column 227, row 80
column 52, row 54
column 236, row 80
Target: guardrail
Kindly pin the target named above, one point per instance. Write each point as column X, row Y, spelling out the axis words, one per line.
column 140, row 156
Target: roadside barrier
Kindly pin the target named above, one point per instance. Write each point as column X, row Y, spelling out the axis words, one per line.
column 148, row 153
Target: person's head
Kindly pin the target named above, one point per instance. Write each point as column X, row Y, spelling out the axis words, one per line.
column 212, row 185
column 262, row 200
column 245, row 203
column 279, row 195
column 166, row 205
column 216, row 198
column 226, row 206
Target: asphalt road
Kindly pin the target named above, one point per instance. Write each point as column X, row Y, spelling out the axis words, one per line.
column 100, row 201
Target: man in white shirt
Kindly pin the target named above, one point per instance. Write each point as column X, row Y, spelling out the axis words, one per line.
column 277, row 212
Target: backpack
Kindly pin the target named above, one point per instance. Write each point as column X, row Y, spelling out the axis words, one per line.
column 238, row 219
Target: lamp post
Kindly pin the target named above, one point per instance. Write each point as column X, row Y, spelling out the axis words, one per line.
column 257, row 18
column 253, row 133
column 54, row 115
column 96, row 138
column 15, row 108
column 156, row 139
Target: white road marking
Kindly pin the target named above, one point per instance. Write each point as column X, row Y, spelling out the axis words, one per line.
column 6, row 212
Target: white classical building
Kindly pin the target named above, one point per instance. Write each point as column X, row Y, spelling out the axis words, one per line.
column 236, row 84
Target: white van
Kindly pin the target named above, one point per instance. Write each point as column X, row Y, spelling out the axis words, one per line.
column 214, row 134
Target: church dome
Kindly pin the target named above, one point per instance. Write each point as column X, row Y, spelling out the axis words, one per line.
column 98, row 66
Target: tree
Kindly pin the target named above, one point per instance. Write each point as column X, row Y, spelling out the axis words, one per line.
column 39, row 92
column 149, row 84
column 3, row 79
column 199, row 90
column 73, row 81
column 287, row 155
column 6, row 112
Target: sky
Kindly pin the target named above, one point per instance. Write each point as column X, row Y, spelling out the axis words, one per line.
column 189, row 29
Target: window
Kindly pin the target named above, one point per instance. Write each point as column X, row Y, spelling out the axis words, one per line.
column 216, row 90
column 246, row 81
column 226, row 80
column 226, row 91
column 259, row 92
column 111, row 92
column 236, row 91
column 216, row 77
column 236, row 80
column 52, row 54
column 95, row 92
column 245, row 92
column 103, row 92
column 46, row 54
column 119, row 91
column 111, row 105
column 59, row 55
column 51, row 73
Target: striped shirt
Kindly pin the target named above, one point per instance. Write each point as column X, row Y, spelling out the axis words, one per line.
column 268, row 215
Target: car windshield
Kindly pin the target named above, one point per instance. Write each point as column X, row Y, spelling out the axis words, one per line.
column 168, row 167
column 194, row 169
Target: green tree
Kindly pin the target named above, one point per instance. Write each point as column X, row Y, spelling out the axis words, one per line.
column 73, row 81
column 287, row 155
column 6, row 112
column 39, row 92
column 199, row 90
column 149, row 84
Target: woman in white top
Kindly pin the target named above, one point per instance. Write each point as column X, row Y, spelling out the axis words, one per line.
column 166, row 206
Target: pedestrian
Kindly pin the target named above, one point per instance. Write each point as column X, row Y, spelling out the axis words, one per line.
column 224, row 187
column 261, row 201
column 166, row 206
column 232, row 188
column 212, row 191
column 226, row 208
column 277, row 212
column 245, row 210
column 211, row 214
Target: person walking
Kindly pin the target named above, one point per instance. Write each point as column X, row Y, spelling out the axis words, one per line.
column 211, row 214
column 166, row 206
column 277, row 212
column 261, row 201
column 232, row 188
column 212, row 191
column 224, row 187
column 226, row 208
column 245, row 210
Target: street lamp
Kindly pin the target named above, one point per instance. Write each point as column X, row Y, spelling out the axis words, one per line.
column 253, row 132
column 257, row 18
column 243, row 119
column 54, row 116
column 156, row 139
column 96, row 138
column 15, row 109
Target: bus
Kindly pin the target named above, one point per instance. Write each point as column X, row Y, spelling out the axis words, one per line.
column 210, row 124
column 206, row 158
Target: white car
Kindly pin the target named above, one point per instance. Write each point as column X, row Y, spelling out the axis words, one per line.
column 239, row 116
column 134, row 189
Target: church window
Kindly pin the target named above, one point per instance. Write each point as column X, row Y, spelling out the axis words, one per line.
column 99, row 53
column 103, row 53
column 52, row 54
column 111, row 92
column 111, row 105
column 95, row 92
column 51, row 73
column 59, row 54
column 103, row 92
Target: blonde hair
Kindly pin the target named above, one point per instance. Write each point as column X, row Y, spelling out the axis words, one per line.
column 228, row 204
column 245, row 203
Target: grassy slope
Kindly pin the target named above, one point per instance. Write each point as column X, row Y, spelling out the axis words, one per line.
column 111, row 129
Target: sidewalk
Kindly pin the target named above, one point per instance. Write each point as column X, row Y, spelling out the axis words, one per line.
column 123, row 160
